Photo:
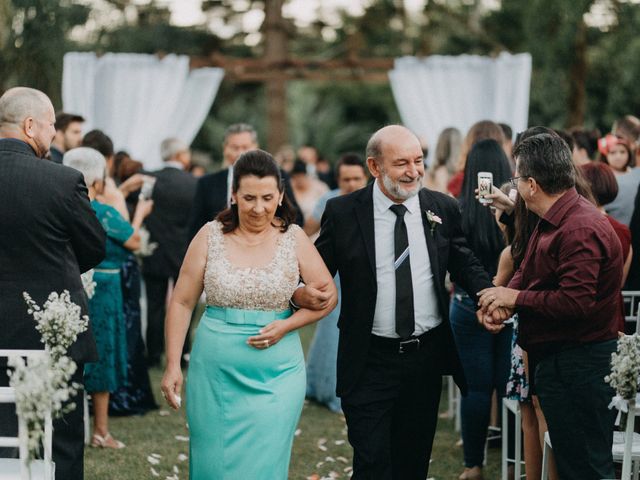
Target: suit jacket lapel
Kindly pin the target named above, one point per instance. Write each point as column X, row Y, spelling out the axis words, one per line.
column 426, row 204
column 364, row 214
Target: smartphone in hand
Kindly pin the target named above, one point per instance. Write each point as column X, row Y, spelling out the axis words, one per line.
column 485, row 187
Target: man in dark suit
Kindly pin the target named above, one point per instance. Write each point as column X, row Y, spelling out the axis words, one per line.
column 168, row 227
column 392, row 244
column 49, row 236
column 213, row 192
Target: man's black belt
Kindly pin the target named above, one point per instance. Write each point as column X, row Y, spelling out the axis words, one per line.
column 405, row 345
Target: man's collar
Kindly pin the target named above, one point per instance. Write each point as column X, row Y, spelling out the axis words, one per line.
column 173, row 164
column 559, row 209
column 19, row 144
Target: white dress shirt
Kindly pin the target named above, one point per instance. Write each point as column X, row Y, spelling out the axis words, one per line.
column 425, row 302
column 229, row 184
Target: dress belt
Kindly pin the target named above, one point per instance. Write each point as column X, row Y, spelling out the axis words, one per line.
column 107, row 270
column 411, row 344
column 246, row 317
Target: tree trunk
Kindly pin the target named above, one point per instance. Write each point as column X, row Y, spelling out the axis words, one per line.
column 577, row 78
column 275, row 53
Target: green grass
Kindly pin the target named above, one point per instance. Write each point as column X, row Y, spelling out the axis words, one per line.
column 155, row 433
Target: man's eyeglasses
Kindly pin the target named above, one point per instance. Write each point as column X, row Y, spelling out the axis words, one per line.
column 514, row 180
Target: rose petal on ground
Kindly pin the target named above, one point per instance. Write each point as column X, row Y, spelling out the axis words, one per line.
column 182, row 457
column 164, row 413
column 154, row 473
column 182, row 438
column 342, row 459
column 153, row 460
column 156, row 455
column 315, row 476
column 297, row 432
column 329, row 459
column 339, row 442
column 175, row 469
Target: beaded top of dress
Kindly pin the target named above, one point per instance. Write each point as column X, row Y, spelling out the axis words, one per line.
column 268, row 287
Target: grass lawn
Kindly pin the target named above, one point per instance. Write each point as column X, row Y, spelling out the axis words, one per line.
column 320, row 448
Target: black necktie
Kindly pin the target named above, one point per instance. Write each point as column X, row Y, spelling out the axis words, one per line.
column 405, row 322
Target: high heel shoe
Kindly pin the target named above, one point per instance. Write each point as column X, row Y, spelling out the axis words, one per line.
column 98, row 441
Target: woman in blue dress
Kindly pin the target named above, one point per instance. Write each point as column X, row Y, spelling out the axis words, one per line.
column 135, row 397
column 246, row 378
column 106, row 310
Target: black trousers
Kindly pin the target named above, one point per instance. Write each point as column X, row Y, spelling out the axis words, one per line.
column 68, row 433
column 575, row 401
column 393, row 410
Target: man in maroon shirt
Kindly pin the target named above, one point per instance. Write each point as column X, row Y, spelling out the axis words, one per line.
column 566, row 293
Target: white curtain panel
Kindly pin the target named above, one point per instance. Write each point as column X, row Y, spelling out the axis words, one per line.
column 437, row 92
column 139, row 100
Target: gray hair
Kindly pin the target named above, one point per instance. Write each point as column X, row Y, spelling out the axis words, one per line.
column 18, row 103
column 240, row 128
column 170, row 147
column 88, row 161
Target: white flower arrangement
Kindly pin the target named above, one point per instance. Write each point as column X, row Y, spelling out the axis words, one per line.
column 147, row 247
column 59, row 321
column 88, row 283
column 625, row 369
column 41, row 386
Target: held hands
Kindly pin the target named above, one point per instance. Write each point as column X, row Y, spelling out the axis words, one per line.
column 497, row 304
column 269, row 335
column 171, row 386
column 313, row 297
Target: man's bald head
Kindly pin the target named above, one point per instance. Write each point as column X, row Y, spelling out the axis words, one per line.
column 27, row 114
column 21, row 102
column 390, row 134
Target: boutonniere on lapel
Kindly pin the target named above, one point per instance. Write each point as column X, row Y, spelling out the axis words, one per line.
column 434, row 220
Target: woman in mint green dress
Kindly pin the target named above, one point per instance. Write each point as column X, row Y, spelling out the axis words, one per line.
column 246, row 379
column 106, row 311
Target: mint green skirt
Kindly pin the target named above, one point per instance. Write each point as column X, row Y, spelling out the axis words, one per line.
column 243, row 404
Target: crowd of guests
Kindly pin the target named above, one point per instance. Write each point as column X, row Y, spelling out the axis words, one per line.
column 531, row 309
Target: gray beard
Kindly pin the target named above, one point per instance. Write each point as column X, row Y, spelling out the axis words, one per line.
column 398, row 192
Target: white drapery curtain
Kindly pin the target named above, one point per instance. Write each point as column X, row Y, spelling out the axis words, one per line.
column 139, row 100
column 437, row 92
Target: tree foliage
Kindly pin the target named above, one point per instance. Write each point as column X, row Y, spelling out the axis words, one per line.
column 582, row 72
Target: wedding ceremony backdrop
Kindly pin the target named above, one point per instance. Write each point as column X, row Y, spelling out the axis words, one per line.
column 162, row 98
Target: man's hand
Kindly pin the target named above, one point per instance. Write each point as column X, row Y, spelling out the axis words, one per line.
column 494, row 322
column 313, row 297
column 501, row 200
column 497, row 297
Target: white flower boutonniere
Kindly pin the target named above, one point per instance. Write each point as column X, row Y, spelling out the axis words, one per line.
column 434, row 220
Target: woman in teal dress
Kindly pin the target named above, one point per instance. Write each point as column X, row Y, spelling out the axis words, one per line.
column 106, row 311
column 246, row 378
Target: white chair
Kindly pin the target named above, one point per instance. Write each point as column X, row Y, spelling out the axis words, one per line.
column 19, row 468
column 453, row 403
column 511, row 406
column 631, row 302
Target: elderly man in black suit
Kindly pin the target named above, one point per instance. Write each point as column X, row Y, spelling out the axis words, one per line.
column 49, row 236
column 168, row 227
column 213, row 192
column 393, row 243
